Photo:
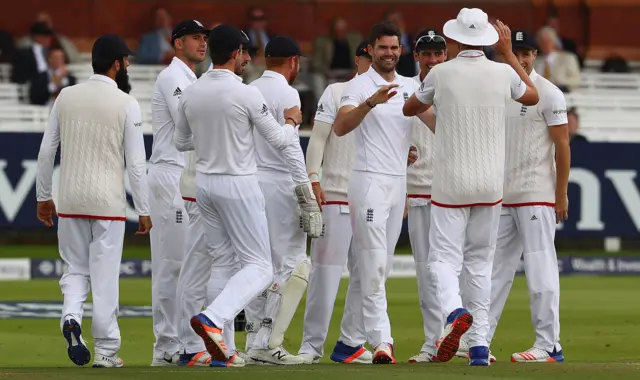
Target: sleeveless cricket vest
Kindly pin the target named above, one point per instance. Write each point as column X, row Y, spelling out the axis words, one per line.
column 420, row 173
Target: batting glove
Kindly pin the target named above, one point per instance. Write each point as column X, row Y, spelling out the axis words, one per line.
column 311, row 216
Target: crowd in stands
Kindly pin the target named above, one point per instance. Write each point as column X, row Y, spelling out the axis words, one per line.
column 40, row 59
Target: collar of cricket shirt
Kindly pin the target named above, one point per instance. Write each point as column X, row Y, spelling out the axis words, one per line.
column 471, row 54
column 273, row 74
column 533, row 74
column 379, row 80
column 103, row 78
column 183, row 66
column 223, row 72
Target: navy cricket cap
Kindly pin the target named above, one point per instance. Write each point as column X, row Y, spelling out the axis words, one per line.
column 282, row 47
column 522, row 40
column 430, row 39
column 188, row 27
column 109, row 47
column 363, row 49
column 227, row 38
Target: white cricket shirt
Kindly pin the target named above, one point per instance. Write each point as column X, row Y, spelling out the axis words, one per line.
column 530, row 170
column 420, row 173
column 164, row 112
column 279, row 96
column 98, row 128
column 470, row 94
column 216, row 118
column 337, row 154
column 382, row 139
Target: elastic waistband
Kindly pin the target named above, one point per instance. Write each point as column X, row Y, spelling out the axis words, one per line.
column 274, row 172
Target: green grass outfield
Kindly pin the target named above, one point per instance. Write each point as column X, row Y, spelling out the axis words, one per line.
column 599, row 315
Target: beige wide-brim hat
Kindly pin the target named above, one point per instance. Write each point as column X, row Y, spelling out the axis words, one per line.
column 472, row 28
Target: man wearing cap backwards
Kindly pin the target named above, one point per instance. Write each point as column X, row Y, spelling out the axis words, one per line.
column 470, row 95
column 535, row 199
column 189, row 40
column 217, row 115
column 430, row 50
column 98, row 127
column 377, row 186
column 269, row 316
column 329, row 253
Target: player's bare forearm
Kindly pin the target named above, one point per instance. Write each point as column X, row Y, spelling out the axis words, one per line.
column 428, row 118
column 560, row 136
column 349, row 118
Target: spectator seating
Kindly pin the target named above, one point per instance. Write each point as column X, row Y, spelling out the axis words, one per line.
column 608, row 104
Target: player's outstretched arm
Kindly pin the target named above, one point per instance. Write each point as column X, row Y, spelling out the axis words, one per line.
column 422, row 99
column 353, row 109
column 527, row 94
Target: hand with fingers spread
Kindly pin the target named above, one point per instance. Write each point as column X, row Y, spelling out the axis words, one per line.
column 382, row 95
column 503, row 46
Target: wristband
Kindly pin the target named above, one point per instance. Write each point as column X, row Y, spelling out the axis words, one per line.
column 290, row 118
column 368, row 102
column 314, row 184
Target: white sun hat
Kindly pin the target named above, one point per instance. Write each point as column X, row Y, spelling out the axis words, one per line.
column 472, row 28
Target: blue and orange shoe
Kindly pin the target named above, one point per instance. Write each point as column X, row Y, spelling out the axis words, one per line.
column 458, row 323
column 199, row 359
column 76, row 346
column 479, row 356
column 537, row 355
column 235, row 361
column 212, row 337
column 347, row 354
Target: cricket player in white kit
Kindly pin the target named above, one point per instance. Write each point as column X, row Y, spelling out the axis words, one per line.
column 98, row 126
column 430, row 50
column 335, row 155
column 190, row 300
column 189, row 40
column 535, row 199
column 269, row 317
column 377, row 186
column 217, row 115
column 469, row 94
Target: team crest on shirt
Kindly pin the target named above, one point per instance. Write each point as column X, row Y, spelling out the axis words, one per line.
column 406, row 96
column 523, row 111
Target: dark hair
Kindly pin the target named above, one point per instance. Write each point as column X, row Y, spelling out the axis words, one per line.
column 218, row 58
column 102, row 66
column 383, row 29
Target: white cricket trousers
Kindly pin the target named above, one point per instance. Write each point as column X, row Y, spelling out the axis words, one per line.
column 376, row 205
column 328, row 256
column 92, row 249
column 528, row 232
column 419, row 220
column 235, row 224
column 463, row 236
column 288, row 249
column 167, row 239
column 192, row 298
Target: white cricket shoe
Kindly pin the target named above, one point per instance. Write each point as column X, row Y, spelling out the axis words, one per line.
column 423, row 357
column 463, row 351
column 246, row 358
column 309, row 358
column 166, row 361
column 383, row 354
column 278, row 356
column 537, row 355
column 102, row 361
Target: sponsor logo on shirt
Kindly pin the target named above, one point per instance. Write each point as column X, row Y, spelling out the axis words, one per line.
column 320, row 108
column 264, row 109
column 177, row 92
column 137, row 124
column 347, row 97
column 559, row 112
